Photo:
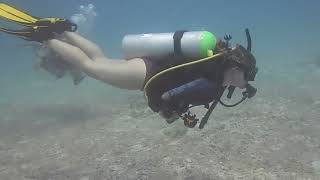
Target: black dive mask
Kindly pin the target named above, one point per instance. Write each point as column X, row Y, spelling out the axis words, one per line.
column 250, row 74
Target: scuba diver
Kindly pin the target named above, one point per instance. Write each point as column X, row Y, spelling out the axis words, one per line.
column 176, row 71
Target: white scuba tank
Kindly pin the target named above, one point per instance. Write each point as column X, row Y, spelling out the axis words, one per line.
column 191, row 45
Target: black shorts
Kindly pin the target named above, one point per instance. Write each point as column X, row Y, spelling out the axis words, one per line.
column 151, row 69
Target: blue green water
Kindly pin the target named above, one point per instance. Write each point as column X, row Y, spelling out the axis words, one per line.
column 285, row 37
column 284, row 33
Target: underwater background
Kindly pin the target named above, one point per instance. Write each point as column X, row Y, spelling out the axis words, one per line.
column 51, row 129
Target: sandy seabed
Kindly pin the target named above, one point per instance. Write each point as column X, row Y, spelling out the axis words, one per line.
column 261, row 140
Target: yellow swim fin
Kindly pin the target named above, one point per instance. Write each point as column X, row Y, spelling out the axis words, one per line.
column 24, row 34
column 12, row 14
column 37, row 29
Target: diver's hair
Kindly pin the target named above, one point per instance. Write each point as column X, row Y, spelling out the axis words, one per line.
column 240, row 57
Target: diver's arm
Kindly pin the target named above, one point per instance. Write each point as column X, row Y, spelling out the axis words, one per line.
column 123, row 74
column 88, row 47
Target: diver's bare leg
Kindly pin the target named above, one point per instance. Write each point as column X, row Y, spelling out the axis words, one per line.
column 122, row 74
column 88, row 47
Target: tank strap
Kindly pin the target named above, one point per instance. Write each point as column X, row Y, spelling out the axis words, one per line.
column 177, row 41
